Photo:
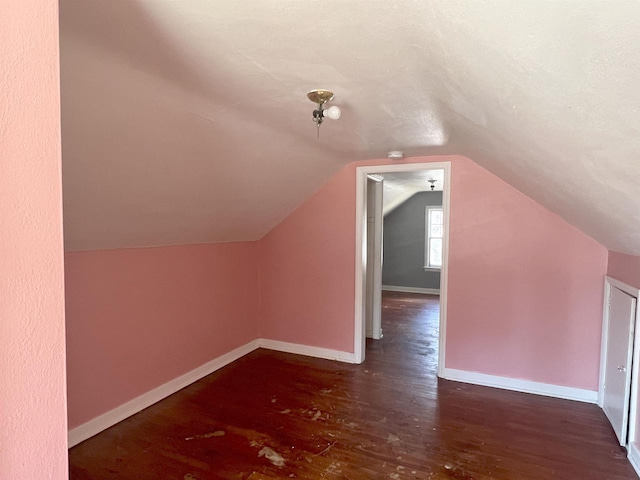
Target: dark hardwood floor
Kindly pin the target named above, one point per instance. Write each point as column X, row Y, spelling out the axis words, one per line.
column 274, row 415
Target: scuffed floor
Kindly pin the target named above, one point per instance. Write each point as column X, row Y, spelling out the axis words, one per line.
column 273, row 415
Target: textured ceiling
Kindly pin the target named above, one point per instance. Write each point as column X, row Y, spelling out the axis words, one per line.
column 186, row 121
column 399, row 187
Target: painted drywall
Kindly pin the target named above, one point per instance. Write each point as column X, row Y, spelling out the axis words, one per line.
column 307, row 270
column 137, row 318
column 525, row 287
column 625, row 268
column 525, row 293
column 33, row 420
column 404, row 243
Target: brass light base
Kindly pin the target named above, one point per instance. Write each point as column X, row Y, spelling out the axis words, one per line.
column 320, row 96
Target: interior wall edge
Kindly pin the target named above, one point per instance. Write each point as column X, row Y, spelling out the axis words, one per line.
column 118, row 414
column 523, row 386
column 33, row 406
column 624, row 267
column 108, row 419
column 401, row 288
column 307, row 350
column 126, row 308
column 130, row 408
column 158, row 246
column 633, row 456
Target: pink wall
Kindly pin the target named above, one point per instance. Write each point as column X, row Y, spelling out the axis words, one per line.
column 625, row 268
column 307, row 270
column 138, row 318
column 525, row 294
column 33, row 429
column 525, row 287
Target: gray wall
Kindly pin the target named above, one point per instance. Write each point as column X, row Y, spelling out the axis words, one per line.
column 403, row 243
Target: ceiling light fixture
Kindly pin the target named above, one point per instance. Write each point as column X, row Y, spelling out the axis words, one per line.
column 321, row 97
column 433, row 183
column 395, row 155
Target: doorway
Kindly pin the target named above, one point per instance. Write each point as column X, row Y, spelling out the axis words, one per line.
column 364, row 258
column 411, row 324
column 618, row 391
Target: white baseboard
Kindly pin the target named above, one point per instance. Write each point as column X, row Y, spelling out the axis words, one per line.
column 298, row 349
column 634, row 457
column 526, row 386
column 106, row 420
column 397, row 288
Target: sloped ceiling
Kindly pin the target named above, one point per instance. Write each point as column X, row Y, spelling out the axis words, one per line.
column 187, row 122
column 399, row 187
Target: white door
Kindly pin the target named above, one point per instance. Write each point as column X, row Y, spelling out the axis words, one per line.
column 374, row 259
column 619, row 351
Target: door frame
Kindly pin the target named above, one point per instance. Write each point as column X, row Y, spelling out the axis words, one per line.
column 634, row 344
column 361, row 251
column 376, row 310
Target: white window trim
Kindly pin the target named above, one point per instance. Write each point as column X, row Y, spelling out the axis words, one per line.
column 427, row 210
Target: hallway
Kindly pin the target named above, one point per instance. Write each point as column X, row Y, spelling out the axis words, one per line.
column 410, row 324
column 276, row 415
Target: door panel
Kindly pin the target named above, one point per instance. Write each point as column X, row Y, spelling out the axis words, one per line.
column 373, row 285
column 617, row 380
column 368, row 312
column 377, row 261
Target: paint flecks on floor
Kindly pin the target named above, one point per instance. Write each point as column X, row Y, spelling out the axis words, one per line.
column 440, row 424
column 333, row 469
column 325, row 450
column 217, row 433
column 392, row 439
column 259, row 476
column 271, row 455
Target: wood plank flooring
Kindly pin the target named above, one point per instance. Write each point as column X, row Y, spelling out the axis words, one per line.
column 274, row 415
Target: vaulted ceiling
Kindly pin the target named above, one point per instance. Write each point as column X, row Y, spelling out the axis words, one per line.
column 399, row 187
column 187, row 121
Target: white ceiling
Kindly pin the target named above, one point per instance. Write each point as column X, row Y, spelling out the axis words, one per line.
column 398, row 187
column 187, row 121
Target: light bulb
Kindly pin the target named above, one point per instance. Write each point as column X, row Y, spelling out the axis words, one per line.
column 332, row 113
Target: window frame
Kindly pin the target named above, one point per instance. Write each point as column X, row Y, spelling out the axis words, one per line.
column 427, row 237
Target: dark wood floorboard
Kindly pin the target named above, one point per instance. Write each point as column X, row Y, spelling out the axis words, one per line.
column 274, row 415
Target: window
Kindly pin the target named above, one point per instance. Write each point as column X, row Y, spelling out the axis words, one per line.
column 434, row 222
